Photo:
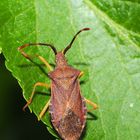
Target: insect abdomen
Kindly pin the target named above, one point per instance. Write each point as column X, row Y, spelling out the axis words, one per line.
column 70, row 127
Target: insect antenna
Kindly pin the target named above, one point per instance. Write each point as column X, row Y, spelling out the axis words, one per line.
column 41, row 44
column 69, row 46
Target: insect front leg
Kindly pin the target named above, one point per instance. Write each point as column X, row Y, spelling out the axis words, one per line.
column 45, row 62
column 40, row 57
column 33, row 92
column 94, row 105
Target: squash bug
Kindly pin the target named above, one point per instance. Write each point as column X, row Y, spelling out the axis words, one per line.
column 66, row 105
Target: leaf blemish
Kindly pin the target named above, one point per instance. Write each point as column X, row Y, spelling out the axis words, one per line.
column 131, row 105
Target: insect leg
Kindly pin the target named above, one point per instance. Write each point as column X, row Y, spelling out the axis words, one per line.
column 95, row 106
column 43, row 110
column 81, row 74
column 33, row 92
column 45, row 62
column 88, row 101
column 41, row 58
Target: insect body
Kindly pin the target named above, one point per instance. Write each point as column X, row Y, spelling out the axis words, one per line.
column 67, row 106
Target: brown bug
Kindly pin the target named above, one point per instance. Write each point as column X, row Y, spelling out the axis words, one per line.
column 67, row 106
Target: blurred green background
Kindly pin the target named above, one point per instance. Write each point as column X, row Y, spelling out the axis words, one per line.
column 14, row 123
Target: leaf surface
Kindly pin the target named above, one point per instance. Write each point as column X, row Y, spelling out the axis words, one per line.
column 109, row 55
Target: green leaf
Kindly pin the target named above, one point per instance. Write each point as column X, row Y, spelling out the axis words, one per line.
column 109, row 54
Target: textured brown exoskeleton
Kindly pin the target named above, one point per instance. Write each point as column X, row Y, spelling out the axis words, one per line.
column 67, row 106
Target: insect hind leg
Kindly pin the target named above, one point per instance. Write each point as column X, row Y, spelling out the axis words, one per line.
column 94, row 105
column 44, row 110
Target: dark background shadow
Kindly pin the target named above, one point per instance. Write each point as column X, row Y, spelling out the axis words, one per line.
column 14, row 123
column 91, row 116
